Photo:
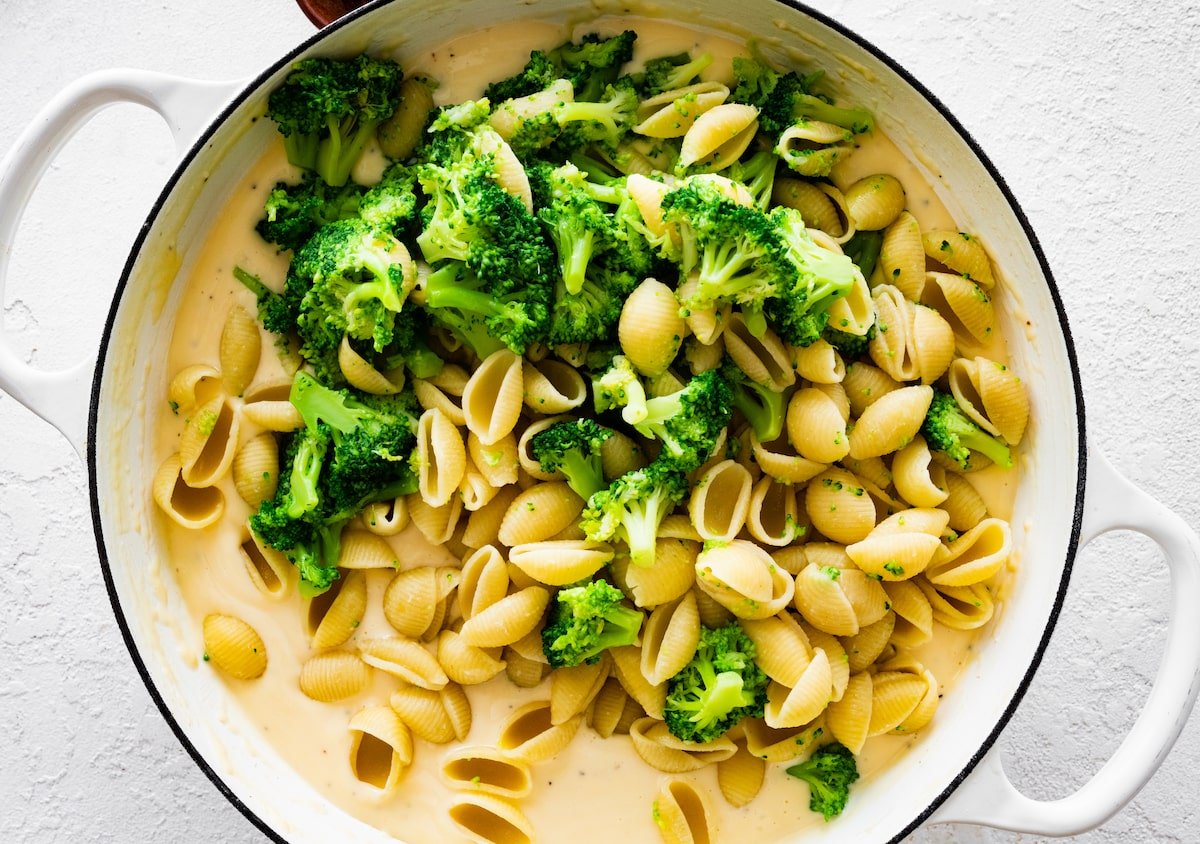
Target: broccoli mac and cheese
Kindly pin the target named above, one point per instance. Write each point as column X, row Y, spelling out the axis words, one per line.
column 623, row 444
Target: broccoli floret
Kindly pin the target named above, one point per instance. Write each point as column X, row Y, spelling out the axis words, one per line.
column 603, row 122
column 392, row 204
column 327, row 111
column 373, row 438
column 863, row 250
column 848, row 345
column 718, row 688
column 456, row 298
column 737, row 251
column 757, row 173
column 619, row 386
column 763, row 407
column 829, row 773
column 801, row 311
column 577, row 223
column 590, row 65
column 948, row 429
column 356, row 278
column 573, row 448
column 667, row 73
column 632, row 508
column 470, row 218
column 586, row 620
column 689, row 422
column 786, row 99
column 293, row 212
column 590, row 314
column 278, row 311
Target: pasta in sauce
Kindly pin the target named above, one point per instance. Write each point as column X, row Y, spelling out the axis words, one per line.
column 858, row 559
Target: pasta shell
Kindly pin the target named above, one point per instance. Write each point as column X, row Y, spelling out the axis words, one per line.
column 466, row 664
column 894, row 556
column 892, row 347
column 360, row 374
column 917, row 481
column 436, row 524
column 870, row 642
column 796, row 706
column 671, row 113
column 659, row 749
column 854, row 313
column 333, row 676
column 441, row 458
column 483, row 526
column 902, row 256
column 812, row 148
column 763, row 359
column 484, row 581
column 234, row 646
column 572, row 689
column 961, row 252
column 782, row 650
column 959, row 607
column 607, row 708
column 256, row 470
column 875, row 201
column 775, row 517
column 783, row 745
column 670, row 638
column 647, row 194
column 194, row 385
column 380, row 747
column 650, row 329
column 974, row 557
column 484, row 819
column 400, row 134
column 819, row 363
column 966, row 307
column 744, row 579
column 562, row 562
column 531, row 736
column 553, row 387
column 865, row 384
column 507, row 620
column 411, row 601
column 849, row 719
column 496, row 462
column 268, row 407
column 839, row 662
column 816, row 428
column 486, row 770
column 493, row 396
column 424, row 712
column 719, row 136
column 822, row 602
column 508, row 172
column 432, row 397
column 268, row 569
column 523, row 672
column 894, row 696
column 240, row 349
column 914, row 615
column 627, row 667
column 342, row 616
column 706, row 323
column 186, row 506
column 539, row 513
column 992, row 395
column 963, row 503
column 363, row 550
column 821, row 206
column 740, row 777
column 839, row 507
column 782, row 466
column 208, row 443
column 933, row 343
column 890, row 423
column 683, row 814
column 672, row 575
column 405, row 659
column 720, row 501
column 508, row 116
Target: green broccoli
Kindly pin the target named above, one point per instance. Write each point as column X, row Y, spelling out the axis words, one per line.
column 586, row 620
column 604, row 121
column 689, row 422
column 632, row 508
column 593, row 312
column 327, row 111
column 666, row 73
column 573, row 448
column 764, row 408
column 579, row 225
column 849, row 345
column 392, row 203
column 619, row 386
column 278, row 311
column 786, row 99
column 863, row 250
column 294, row 212
column 590, row 65
column 757, row 173
column 949, row 430
column 355, row 279
column 486, row 321
column 718, row 688
column 801, row 311
column 829, row 773
column 737, row 251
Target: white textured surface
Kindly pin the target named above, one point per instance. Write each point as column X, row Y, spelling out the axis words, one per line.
column 1090, row 109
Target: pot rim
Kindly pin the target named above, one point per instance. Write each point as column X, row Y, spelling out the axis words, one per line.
column 219, row 121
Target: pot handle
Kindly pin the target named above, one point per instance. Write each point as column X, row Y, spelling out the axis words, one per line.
column 988, row 797
column 187, row 105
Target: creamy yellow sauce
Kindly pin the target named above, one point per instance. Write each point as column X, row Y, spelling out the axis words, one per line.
column 596, row 788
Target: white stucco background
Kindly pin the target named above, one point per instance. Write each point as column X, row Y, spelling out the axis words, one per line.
column 1089, row 107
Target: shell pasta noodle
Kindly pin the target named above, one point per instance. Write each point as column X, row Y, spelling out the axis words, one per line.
column 642, row 411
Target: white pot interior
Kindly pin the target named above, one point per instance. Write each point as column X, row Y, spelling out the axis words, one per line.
column 134, row 380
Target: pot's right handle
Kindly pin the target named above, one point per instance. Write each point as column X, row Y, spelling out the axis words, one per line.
column 987, row 796
column 187, row 105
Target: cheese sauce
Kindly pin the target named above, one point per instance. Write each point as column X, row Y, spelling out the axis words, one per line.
column 596, row 786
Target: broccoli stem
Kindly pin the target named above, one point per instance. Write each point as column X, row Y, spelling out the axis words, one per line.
column 318, row 403
column 583, row 474
column 306, row 471
column 988, row 446
column 302, row 149
column 806, row 106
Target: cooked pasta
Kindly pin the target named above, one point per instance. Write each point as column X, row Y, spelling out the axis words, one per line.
column 786, row 469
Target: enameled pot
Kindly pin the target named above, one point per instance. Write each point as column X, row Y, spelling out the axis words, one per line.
column 1068, row 494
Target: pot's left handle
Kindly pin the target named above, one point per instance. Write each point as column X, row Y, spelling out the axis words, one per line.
column 187, row 105
column 988, row 797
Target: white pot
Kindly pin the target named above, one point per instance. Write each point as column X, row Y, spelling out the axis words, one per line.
column 949, row 775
